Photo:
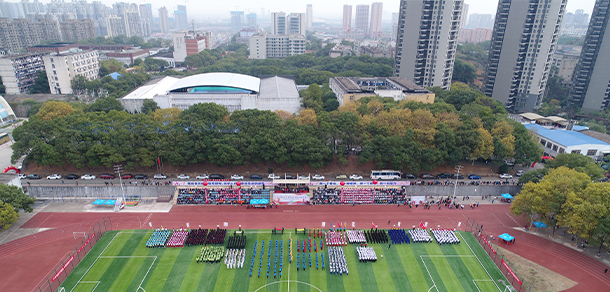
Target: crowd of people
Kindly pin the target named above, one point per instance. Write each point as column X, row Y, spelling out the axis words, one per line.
column 389, row 196
column 376, row 236
column 366, row 254
column 335, row 238
column 290, row 190
column 177, row 239
column 420, row 235
column 326, row 197
column 445, row 236
column 355, row 236
column 236, row 241
column 216, row 236
column 234, row 258
column 220, row 196
column 196, row 237
column 336, row 260
column 158, row 238
column 210, row 254
column 398, row 236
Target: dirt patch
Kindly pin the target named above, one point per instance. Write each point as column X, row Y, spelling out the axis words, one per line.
column 538, row 277
column 330, row 171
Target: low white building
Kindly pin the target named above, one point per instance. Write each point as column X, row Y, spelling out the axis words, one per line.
column 559, row 141
column 62, row 68
column 233, row 91
column 263, row 46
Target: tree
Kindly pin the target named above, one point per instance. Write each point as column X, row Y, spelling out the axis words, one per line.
column 485, row 145
column 16, row 198
column 8, row 215
column 586, row 208
column 52, row 109
column 578, row 162
column 464, row 72
column 149, row 106
column 167, row 115
column 106, row 104
column 602, row 232
column 307, row 117
column 41, row 83
column 78, row 84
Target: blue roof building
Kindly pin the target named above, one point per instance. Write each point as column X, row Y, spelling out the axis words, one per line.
column 555, row 142
column 115, row 75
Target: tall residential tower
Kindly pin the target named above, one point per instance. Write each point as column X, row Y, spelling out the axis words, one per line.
column 426, row 41
column 376, row 12
column 347, row 17
column 522, row 45
column 362, row 19
column 309, row 12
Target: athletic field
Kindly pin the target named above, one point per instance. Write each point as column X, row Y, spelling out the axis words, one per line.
column 121, row 262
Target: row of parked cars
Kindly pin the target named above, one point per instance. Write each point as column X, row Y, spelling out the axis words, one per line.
column 90, row 176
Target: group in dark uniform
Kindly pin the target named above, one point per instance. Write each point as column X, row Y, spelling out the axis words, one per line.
column 376, row 236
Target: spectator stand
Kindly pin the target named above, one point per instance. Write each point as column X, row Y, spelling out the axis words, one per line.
column 191, row 196
column 323, row 196
column 357, row 196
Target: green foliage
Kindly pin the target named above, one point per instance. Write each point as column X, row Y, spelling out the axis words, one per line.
column 578, row 162
column 464, row 72
column 149, row 106
column 41, row 83
column 32, row 106
column 106, row 104
column 16, row 198
column 8, row 215
column 78, row 84
column 2, row 87
column 533, row 176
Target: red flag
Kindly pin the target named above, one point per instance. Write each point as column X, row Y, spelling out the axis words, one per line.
column 534, row 164
column 421, row 225
column 374, row 226
column 159, row 160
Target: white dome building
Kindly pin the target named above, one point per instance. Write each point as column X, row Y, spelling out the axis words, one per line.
column 6, row 112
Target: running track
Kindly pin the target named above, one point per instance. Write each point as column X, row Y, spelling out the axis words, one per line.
column 27, row 261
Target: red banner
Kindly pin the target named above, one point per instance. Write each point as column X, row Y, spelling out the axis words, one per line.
column 488, row 244
column 82, row 247
column 62, row 269
column 511, row 272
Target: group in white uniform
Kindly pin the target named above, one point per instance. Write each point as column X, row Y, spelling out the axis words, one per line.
column 366, row 254
column 445, row 236
column 336, row 260
column 356, row 236
column 420, row 235
column 234, row 258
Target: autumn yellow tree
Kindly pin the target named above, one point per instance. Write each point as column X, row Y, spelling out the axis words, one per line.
column 52, row 109
column 375, row 107
column 307, row 117
column 396, row 121
column 585, row 208
column 171, row 114
column 504, row 131
column 349, row 107
column 284, row 115
column 485, row 145
column 423, row 124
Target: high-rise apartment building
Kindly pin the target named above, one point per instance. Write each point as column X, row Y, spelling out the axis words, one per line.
column 295, row 23
column 73, row 30
column 278, row 23
column 591, row 79
column 309, row 22
column 263, row 46
column 362, row 19
column 464, row 17
column 62, row 68
column 376, row 14
column 251, row 20
column 146, row 19
column 524, row 39
column 115, row 26
column 131, row 21
column 18, row 72
column 237, row 20
column 163, row 20
column 426, row 41
column 21, row 32
column 180, row 19
column 347, row 17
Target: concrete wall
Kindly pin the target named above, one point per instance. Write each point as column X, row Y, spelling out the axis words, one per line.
column 99, row 191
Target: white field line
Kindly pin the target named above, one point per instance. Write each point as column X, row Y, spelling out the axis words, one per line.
column 464, row 240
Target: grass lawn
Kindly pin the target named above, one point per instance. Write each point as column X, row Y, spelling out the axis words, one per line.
column 121, row 262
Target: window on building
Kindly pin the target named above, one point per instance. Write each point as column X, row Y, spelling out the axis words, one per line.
column 549, row 145
column 591, row 152
column 561, row 150
column 543, row 142
column 576, row 151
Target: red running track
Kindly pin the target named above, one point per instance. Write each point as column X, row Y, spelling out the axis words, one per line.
column 27, row 261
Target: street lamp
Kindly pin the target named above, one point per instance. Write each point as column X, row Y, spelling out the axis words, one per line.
column 457, row 169
column 118, row 168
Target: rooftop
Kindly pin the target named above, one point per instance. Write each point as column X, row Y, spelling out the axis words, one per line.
column 231, row 80
column 278, row 87
column 370, row 84
column 150, row 90
column 565, row 137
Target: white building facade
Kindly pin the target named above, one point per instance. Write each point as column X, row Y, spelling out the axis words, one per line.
column 62, row 68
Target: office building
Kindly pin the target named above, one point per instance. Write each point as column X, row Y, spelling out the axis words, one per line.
column 426, row 41
column 188, row 43
column 20, row 33
column 263, row 46
column 18, row 72
column 347, row 17
column 237, row 20
column 147, row 19
column 566, row 63
column 591, row 80
column 309, row 21
column 376, row 14
column 278, row 23
column 295, row 23
column 362, row 20
column 464, row 17
column 62, row 68
column 251, row 21
column 351, row 89
column 163, row 20
column 73, row 30
column 128, row 56
column 521, row 52
column 180, row 19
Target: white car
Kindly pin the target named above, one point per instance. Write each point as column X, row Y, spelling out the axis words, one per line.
column 273, row 176
column 237, row 177
column 22, row 176
column 159, row 176
column 183, row 176
column 54, row 176
column 87, row 176
column 317, row 176
column 303, row 177
column 506, row 175
column 203, row 176
column 520, row 173
column 355, row 177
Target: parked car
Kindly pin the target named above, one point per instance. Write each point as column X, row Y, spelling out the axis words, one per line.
column 289, row 176
column 341, row 176
column 107, row 176
column 203, row 176
column 54, row 176
column 457, row 176
column 410, row 176
column 183, row 176
column 474, row 176
column 217, row 176
column 34, row 176
column 87, row 176
column 303, row 176
column 126, row 176
column 256, row 176
column 160, row 176
column 506, row 176
column 141, row 176
column 22, row 176
column 273, row 176
column 237, row 177
column 355, row 177
column 427, row 176
column 520, row 173
column 71, row 176
column 317, row 177
column 444, row 175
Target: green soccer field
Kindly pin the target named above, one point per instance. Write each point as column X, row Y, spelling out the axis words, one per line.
column 121, row 262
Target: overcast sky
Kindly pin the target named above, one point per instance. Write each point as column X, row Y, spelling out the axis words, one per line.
column 321, row 8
